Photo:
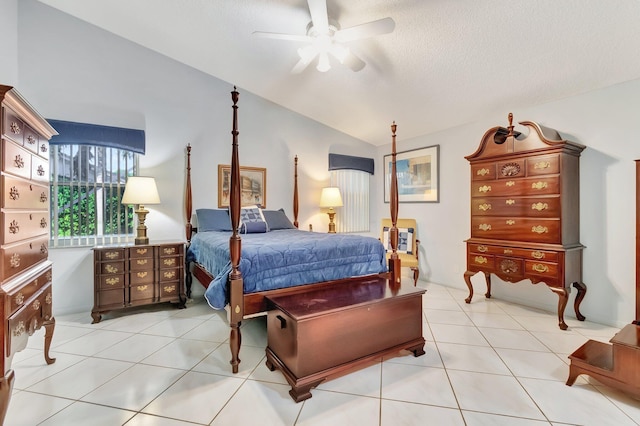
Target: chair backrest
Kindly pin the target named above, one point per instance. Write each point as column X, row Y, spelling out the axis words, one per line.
column 409, row 224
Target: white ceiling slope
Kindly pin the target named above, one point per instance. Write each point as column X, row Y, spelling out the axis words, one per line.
column 448, row 62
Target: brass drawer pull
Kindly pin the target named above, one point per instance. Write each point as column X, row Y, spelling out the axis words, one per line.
column 169, row 262
column 14, row 228
column 15, row 260
column 482, row 249
column 142, row 287
column 43, row 197
column 169, row 289
column 510, row 202
column 43, row 148
column 511, row 222
column 508, row 251
column 142, row 261
column 14, row 194
column 539, row 185
column 43, row 248
column 40, row 170
column 111, row 269
column 112, row 255
column 485, row 188
column 19, row 299
column 484, row 207
column 18, row 161
column 542, row 165
column 539, row 229
column 142, row 251
column 480, row 260
column 539, row 267
column 169, row 274
column 537, row 254
column 48, row 299
column 169, row 250
column 484, row 227
column 31, row 139
column 112, row 281
column 36, row 305
column 483, row 172
column 43, row 223
column 19, row 329
column 510, row 183
column 142, row 274
column 15, row 128
column 539, row 206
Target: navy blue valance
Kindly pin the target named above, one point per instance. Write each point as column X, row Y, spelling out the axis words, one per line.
column 70, row 133
column 342, row 162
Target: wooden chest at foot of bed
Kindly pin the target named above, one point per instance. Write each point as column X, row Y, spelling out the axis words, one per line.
column 320, row 334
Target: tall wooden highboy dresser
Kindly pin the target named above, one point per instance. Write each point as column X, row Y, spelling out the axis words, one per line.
column 25, row 271
column 525, row 218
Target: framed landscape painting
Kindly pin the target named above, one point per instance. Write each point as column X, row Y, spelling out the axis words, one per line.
column 418, row 175
column 253, row 185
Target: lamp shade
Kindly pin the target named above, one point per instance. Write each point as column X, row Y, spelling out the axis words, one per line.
column 140, row 190
column 330, row 197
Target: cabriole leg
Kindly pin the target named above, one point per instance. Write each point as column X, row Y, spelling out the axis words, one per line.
column 563, row 296
column 467, row 279
column 582, row 290
column 487, row 278
column 49, row 326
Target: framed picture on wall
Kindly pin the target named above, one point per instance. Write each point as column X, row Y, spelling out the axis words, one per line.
column 418, row 174
column 253, row 185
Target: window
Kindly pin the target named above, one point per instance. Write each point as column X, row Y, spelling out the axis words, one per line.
column 87, row 183
column 354, row 188
column 352, row 174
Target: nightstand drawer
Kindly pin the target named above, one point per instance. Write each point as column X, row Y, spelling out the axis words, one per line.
column 141, row 264
column 141, row 277
column 109, row 254
column 170, row 262
column 111, row 281
column 170, row 290
column 169, row 250
column 136, row 252
column 170, row 274
column 141, row 292
column 111, row 299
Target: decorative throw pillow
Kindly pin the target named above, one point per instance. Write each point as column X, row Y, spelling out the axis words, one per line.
column 405, row 240
column 252, row 220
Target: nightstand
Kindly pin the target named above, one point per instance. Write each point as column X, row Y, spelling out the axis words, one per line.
column 137, row 275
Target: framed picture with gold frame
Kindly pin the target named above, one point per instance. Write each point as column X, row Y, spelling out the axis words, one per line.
column 253, row 185
column 418, row 175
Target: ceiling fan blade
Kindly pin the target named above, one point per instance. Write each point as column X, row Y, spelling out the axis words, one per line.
column 301, row 66
column 369, row 29
column 353, row 62
column 319, row 17
column 279, row 36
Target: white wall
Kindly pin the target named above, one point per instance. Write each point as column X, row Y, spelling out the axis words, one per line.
column 9, row 50
column 606, row 121
column 89, row 75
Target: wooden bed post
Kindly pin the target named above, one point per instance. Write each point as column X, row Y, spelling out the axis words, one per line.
column 394, row 260
column 188, row 205
column 236, row 292
column 295, row 192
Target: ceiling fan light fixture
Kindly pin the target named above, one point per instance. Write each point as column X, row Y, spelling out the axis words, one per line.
column 323, row 62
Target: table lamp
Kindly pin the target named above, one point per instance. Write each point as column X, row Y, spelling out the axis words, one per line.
column 331, row 198
column 141, row 190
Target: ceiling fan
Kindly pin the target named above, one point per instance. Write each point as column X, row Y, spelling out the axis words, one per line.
column 325, row 38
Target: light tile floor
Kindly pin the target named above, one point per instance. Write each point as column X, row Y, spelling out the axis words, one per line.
column 487, row 363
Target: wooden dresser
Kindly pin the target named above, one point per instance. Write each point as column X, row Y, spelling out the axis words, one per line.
column 525, row 217
column 25, row 271
column 137, row 275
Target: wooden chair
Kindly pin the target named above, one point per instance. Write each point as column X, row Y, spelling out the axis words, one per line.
column 408, row 254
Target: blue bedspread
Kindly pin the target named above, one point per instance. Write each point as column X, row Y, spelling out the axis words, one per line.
column 285, row 258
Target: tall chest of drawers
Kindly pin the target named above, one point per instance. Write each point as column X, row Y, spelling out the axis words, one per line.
column 25, row 271
column 137, row 275
column 525, row 218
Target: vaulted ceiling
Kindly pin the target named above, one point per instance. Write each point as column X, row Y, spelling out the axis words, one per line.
column 447, row 62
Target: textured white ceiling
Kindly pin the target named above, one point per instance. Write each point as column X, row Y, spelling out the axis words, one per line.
column 447, row 62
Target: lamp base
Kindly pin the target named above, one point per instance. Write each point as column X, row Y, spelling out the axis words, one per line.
column 332, row 225
column 141, row 236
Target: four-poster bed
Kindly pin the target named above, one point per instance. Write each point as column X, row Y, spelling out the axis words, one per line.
column 233, row 281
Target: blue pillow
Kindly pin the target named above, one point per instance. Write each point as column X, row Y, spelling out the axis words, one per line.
column 213, row 220
column 277, row 219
